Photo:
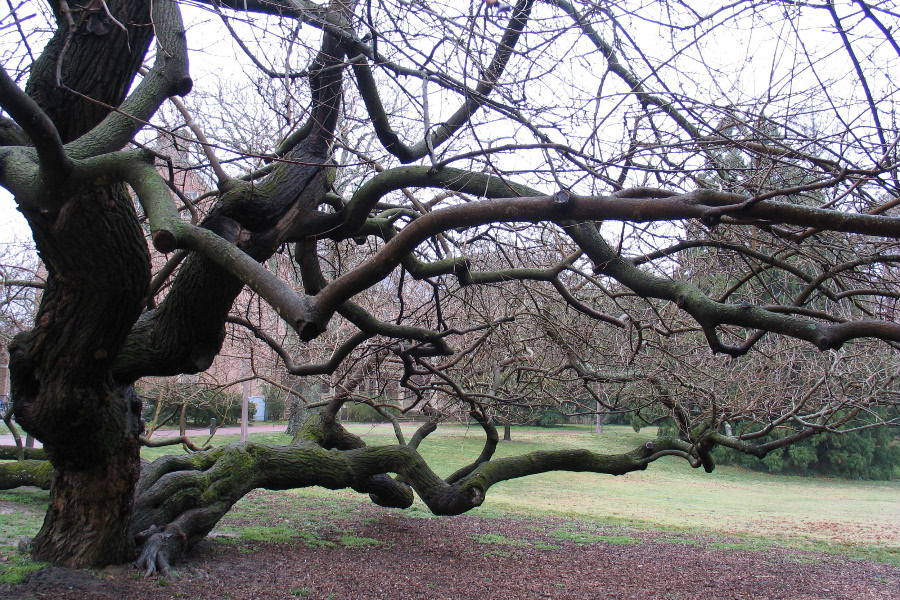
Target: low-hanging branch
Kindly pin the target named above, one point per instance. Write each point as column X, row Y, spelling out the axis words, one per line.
column 28, row 472
column 180, row 498
column 692, row 205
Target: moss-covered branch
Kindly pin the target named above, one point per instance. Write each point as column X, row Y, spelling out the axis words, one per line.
column 40, row 129
column 12, row 453
column 181, row 498
column 37, row 473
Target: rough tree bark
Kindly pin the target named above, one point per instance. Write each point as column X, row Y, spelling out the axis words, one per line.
column 98, row 274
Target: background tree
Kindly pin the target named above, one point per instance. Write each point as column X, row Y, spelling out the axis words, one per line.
column 455, row 189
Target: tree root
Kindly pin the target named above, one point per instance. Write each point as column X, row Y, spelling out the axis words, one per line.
column 160, row 548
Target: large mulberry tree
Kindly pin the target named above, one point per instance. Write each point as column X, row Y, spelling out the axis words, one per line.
column 508, row 207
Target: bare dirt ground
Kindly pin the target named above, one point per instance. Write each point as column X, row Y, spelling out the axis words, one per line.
column 341, row 550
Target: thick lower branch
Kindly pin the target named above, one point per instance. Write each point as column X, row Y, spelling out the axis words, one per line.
column 37, row 473
column 181, row 498
column 11, row 453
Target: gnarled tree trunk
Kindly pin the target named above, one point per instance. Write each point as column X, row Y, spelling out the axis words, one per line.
column 63, row 390
column 98, row 275
column 72, row 373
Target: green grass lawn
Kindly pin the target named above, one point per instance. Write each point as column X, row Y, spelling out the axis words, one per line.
column 671, row 495
column 21, row 514
column 852, row 517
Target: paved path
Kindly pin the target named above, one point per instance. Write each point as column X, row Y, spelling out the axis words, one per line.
column 196, row 435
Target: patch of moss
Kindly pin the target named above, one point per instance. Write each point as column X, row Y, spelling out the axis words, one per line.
column 418, row 513
column 500, row 553
column 580, row 537
column 225, row 539
column 352, row 541
column 749, row 546
column 17, row 567
column 620, row 540
column 277, row 534
column 544, row 545
column 312, row 540
column 496, row 538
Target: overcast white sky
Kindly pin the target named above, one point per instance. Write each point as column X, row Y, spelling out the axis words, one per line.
column 213, row 55
column 12, row 224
